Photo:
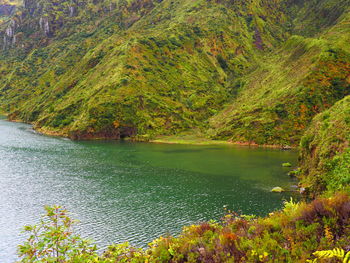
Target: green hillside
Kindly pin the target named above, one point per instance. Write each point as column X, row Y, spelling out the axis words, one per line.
column 144, row 68
column 325, row 151
column 115, row 78
column 266, row 72
column 302, row 77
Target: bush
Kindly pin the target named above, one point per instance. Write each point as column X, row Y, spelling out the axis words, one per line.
column 290, row 235
column 52, row 240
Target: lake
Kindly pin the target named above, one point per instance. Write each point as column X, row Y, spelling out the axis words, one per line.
column 123, row 191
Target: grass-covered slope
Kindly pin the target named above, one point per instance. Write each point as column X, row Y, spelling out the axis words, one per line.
column 163, row 67
column 303, row 77
column 252, row 71
column 325, row 152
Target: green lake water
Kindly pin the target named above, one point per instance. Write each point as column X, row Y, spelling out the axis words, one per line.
column 122, row 191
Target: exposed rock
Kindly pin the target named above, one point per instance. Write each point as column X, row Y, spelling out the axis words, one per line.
column 286, row 147
column 45, row 25
column 30, row 5
column 294, row 173
column 277, row 190
column 9, row 35
column 112, row 133
column 302, row 190
column 7, row 10
column 72, row 11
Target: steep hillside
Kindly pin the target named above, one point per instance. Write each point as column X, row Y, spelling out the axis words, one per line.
column 252, row 71
column 139, row 67
column 303, row 77
column 325, row 151
column 247, row 71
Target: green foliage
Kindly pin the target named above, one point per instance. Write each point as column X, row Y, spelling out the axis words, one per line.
column 289, row 235
column 290, row 207
column 286, row 90
column 52, row 240
column 236, row 72
column 122, row 253
column 338, row 176
column 325, row 151
column 337, row 253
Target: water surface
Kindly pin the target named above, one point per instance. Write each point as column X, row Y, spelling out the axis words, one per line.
column 129, row 191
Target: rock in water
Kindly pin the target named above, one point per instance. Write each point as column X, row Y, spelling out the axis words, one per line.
column 277, row 189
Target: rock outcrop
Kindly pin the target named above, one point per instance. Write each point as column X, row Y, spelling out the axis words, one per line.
column 7, row 10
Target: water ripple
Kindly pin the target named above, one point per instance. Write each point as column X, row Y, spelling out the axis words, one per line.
column 128, row 191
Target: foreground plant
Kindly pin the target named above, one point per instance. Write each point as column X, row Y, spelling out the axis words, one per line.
column 291, row 235
column 336, row 253
column 52, row 240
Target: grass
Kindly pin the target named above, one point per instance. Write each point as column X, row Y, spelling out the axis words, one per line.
column 194, row 138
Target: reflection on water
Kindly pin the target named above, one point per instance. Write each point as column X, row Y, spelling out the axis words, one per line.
column 129, row 191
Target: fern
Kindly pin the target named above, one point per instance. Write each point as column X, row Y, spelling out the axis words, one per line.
column 347, row 258
column 335, row 253
column 328, row 234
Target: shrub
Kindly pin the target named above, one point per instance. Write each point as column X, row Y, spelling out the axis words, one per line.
column 52, row 240
column 290, row 235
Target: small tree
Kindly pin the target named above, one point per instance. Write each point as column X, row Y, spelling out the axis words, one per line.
column 52, row 240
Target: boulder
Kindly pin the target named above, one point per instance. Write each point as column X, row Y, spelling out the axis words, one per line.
column 277, row 189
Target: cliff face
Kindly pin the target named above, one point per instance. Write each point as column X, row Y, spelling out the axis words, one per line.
column 252, row 71
column 41, row 21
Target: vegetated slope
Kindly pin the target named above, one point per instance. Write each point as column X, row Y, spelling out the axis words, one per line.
column 296, row 232
column 253, row 71
column 305, row 76
column 291, row 235
column 140, row 67
column 325, row 152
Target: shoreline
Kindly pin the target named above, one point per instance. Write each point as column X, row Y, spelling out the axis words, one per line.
column 203, row 141
column 185, row 138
